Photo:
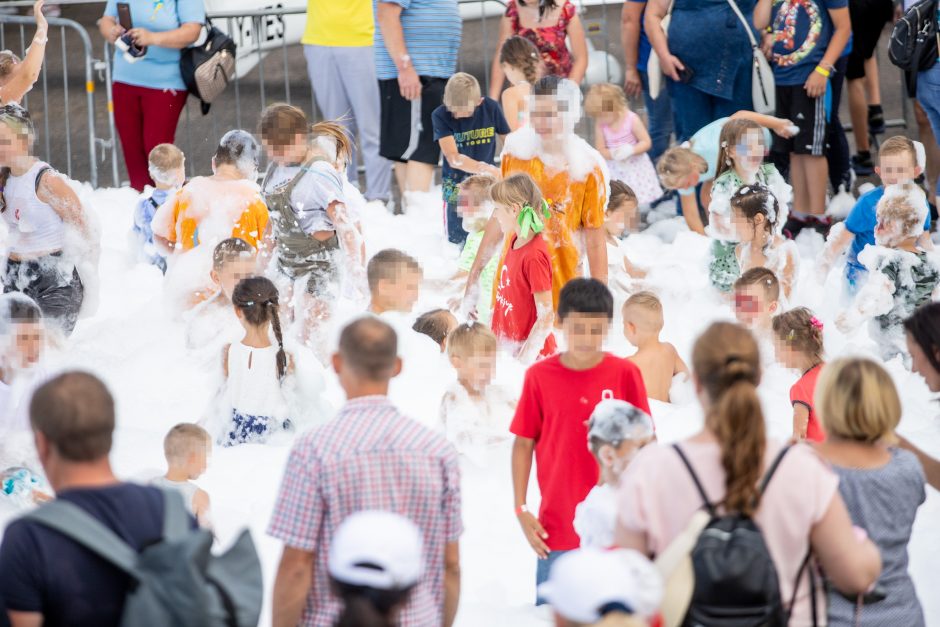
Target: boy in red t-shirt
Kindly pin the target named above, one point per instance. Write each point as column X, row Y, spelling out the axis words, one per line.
column 798, row 342
column 523, row 313
column 558, row 396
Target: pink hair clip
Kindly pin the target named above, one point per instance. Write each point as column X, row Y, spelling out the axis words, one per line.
column 816, row 322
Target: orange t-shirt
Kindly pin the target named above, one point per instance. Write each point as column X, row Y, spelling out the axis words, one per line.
column 204, row 201
column 575, row 205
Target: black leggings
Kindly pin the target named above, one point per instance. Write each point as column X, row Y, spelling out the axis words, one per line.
column 50, row 281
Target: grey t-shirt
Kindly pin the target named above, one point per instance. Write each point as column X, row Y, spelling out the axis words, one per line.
column 316, row 190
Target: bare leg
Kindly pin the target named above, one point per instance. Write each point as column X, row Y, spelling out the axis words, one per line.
column 798, row 179
column 925, row 132
column 420, row 176
column 871, row 81
column 858, row 110
column 816, row 171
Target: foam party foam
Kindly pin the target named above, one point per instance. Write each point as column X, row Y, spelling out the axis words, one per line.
column 138, row 345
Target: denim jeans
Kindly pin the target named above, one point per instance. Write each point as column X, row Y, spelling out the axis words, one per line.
column 928, row 95
column 659, row 112
column 542, row 570
column 692, row 109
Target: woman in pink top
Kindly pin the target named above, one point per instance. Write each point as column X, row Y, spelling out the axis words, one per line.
column 801, row 508
column 547, row 24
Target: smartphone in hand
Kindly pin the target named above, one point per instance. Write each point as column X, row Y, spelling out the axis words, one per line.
column 125, row 42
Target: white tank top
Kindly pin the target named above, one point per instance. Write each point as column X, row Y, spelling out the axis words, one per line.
column 34, row 225
column 253, row 388
column 186, row 488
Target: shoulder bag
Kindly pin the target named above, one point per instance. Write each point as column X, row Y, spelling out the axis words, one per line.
column 763, row 91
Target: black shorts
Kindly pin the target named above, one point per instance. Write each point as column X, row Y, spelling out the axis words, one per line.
column 809, row 115
column 53, row 283
column 407, row 131
column 868, row 20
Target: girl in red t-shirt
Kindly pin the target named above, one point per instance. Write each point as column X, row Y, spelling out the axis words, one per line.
column 523, row 313
column 798, row 342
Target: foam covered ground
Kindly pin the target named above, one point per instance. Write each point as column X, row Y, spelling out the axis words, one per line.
column 137, row 345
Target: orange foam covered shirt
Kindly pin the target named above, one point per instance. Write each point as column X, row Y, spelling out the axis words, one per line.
column 575, row 205
column 250, row 225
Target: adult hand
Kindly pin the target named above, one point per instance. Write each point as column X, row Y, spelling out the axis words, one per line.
column 767, row 45
column 114, row 33
column 671, row 66
column 534, row 533
column 815, row 85
column 632, row 83
column 142, row 37
column 409, row 84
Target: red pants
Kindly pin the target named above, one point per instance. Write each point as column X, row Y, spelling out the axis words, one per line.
column 145, row 118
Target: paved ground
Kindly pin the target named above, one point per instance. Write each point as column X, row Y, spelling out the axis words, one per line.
column 65, row 74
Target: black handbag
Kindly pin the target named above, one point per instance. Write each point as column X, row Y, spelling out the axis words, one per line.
column 208, row 68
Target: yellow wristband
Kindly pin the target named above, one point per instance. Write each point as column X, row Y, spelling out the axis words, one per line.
column 821, row 70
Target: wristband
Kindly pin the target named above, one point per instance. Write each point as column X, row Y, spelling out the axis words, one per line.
column 822, row 71
column 522, row 509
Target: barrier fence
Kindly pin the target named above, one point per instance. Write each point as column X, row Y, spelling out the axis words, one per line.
column 72, row 107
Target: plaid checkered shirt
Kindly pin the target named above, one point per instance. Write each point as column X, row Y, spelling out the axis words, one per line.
column 370, row 456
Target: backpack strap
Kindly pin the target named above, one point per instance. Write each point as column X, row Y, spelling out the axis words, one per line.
column 772, row 469
column 806, row 566
column 79, row 526
column 695, row 479
column 175, row 517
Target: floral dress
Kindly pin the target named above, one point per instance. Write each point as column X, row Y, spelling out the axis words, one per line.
column 549, row 40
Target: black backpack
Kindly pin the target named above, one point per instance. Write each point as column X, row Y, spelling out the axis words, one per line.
column 736, row 583
column 913, row 43
column 208, row 68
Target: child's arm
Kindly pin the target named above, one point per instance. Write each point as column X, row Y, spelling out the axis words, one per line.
column 633, row 270
column 644, row 143
column 874, row 299
column 26, row 73
column 924, row 242
column 690, row 212
column 719, row 209
column 522, row 451
column 599, row 142
column 511, row 104
column 201, row 508
column 463, row 162
column 595, row 248
column 800, row 420
column 788, row 274
column 780, row 126
column 679, row 367
column 489, row 246
column 839, row 239
column 541, row 329
column 349, row 237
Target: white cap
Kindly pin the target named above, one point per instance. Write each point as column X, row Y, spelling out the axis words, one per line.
column 378, row 550
column 585, row 582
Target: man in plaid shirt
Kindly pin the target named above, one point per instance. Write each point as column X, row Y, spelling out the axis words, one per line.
column 368, row 457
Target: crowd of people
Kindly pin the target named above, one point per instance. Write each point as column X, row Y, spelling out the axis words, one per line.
column 278, row 287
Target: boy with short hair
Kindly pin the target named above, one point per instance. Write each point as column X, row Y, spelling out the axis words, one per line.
column 187, row 447
column 757, row 300
column 394, row 281
column 558, row 396
column 437, row 325
column 897, row 163
column 465, row 126
column 475, row 409
column 659, row 362
column 167, row 165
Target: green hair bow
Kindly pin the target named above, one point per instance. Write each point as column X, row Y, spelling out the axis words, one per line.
column 530, row 220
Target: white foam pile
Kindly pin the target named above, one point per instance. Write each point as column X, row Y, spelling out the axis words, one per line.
column 139, row 348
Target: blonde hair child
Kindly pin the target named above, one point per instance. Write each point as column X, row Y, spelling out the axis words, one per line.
column 621, row 138
column 798, row 344
column 187, row 447
column 659, row 362
column 522, row 65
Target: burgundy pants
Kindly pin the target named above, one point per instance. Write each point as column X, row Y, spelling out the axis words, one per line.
column 145, row 118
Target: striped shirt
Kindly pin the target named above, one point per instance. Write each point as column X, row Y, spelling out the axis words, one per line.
column 370, row 457
column 432, row 36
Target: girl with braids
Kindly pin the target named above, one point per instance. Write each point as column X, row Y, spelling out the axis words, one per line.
column 520, row 61
column 798, row 343
column 801, row 509
column 255, row 368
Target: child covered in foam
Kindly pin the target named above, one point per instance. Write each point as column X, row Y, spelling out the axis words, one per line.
column 617, row 430
column 167, row 165
column 476, row 411
column 902, row 276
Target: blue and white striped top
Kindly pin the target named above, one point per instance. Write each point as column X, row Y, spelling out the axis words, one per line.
column 432, row 35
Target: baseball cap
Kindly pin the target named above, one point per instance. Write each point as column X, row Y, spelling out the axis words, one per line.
column 586, row 584
column 378, row 550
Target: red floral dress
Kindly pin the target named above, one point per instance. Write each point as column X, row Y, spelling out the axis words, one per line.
column 549, row 40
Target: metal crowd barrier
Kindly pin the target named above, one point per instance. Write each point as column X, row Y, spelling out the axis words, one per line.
column 52, row 122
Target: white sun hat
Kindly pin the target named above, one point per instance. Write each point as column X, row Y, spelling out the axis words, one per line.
column 585, row 584
column 378, row 550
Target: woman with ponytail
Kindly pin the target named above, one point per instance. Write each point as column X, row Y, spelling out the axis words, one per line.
column 255, row 367
column 801, row 509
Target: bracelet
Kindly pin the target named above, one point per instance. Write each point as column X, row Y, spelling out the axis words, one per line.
column 822, row 71
column 522, row 509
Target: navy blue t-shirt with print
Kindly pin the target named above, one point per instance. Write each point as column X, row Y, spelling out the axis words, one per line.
column 43, row 571
column 802, row 31
column 475, row 136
